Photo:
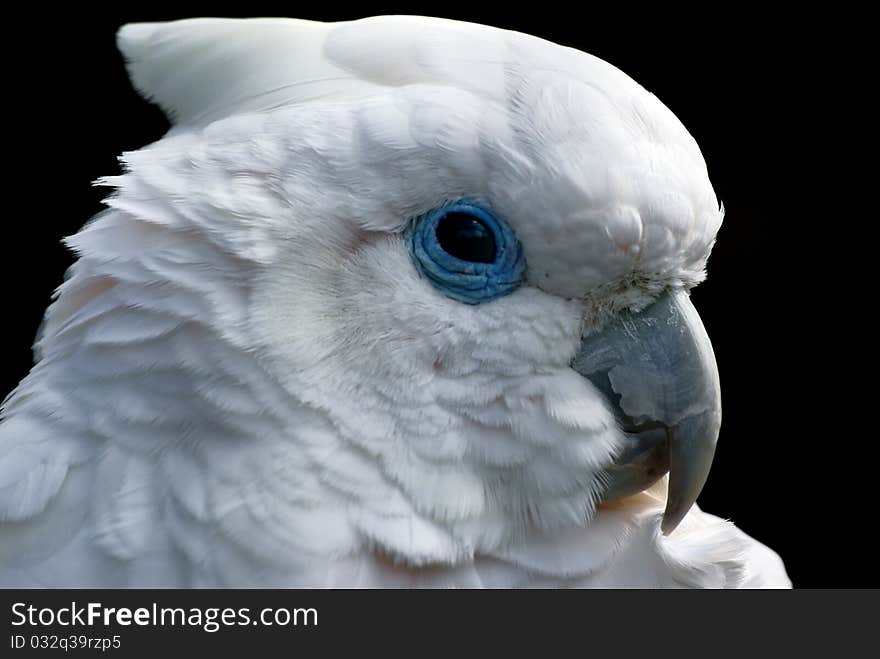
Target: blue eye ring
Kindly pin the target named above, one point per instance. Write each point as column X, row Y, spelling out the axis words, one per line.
column 470, row 282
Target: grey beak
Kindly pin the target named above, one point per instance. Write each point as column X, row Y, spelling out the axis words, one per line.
column 658, row 369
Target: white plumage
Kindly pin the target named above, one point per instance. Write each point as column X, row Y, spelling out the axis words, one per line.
column 243, row 380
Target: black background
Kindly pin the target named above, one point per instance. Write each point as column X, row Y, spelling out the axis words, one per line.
column 796, row 454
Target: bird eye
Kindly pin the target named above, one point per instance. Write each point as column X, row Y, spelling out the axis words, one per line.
column 463, row 236
column 467, row 252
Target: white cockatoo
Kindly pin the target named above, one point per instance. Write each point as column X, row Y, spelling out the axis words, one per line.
column 396, row 302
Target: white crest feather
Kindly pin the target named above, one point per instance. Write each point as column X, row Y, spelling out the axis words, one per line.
column 203, row 69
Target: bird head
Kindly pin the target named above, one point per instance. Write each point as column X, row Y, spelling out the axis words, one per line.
column 459, row 256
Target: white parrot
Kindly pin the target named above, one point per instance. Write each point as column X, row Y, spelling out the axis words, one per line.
column 396, row 302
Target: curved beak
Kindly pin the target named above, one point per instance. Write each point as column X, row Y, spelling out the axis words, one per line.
column 658, row 370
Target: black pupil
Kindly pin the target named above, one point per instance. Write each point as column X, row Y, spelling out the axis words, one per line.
column 465, row 237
